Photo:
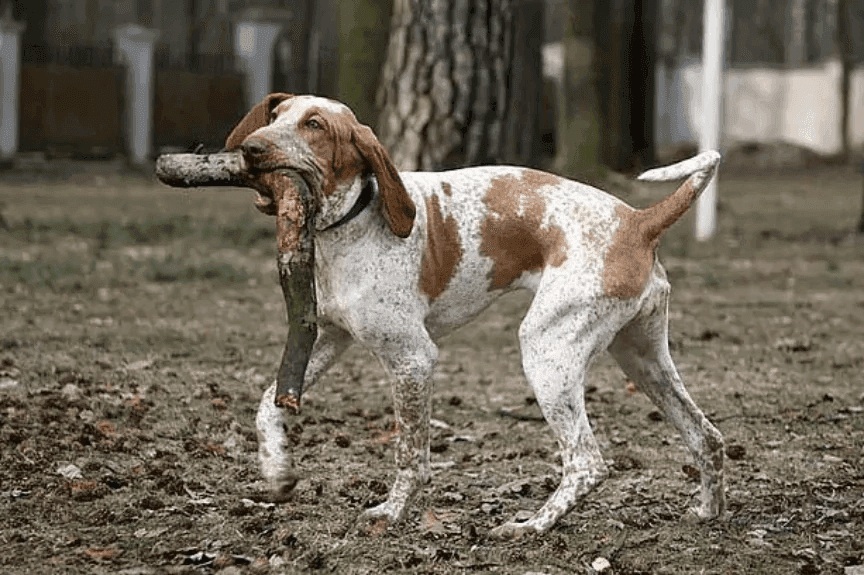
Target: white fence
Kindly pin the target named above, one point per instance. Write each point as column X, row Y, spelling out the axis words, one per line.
column 800, row 106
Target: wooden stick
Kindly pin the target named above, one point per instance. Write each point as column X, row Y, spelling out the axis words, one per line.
column 286, row 196
column 192, row 170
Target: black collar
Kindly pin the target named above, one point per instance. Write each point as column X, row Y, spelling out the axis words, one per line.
column 363, row 200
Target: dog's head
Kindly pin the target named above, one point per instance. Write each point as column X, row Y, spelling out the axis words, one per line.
column 322, row 142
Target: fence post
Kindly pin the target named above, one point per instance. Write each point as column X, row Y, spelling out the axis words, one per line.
column 10, row 83
column 253, row 43
column 135, row 45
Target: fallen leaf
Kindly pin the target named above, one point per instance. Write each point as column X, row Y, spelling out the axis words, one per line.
column 100, row 553
column 70, row 472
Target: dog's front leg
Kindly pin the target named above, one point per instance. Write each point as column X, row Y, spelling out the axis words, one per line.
column 273, row 455
column 411, row 362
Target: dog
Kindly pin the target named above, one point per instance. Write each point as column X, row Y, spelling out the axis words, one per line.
column 401, row 259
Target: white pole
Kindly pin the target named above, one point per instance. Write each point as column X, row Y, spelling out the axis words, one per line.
column 136, row 44
column 712, row 102
column 253, row 42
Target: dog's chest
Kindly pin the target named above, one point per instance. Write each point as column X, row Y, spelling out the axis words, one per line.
column 363, row 267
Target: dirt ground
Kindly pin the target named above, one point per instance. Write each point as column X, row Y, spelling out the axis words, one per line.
column 139, row 325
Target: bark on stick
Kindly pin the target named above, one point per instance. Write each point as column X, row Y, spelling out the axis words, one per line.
column 192, row 170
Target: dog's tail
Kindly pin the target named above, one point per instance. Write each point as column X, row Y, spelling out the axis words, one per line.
column 666, row 212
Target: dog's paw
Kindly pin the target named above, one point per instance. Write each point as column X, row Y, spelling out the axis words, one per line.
column 701, row 514
column 281, row 489
column 513, row 530
column 387, row 511
column 373, row 522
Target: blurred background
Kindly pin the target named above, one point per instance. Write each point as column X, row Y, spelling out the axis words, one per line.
column 577, row 87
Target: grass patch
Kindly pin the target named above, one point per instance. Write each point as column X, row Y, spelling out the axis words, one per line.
column 181, row 270
column 72, row 254
column 106, row 233
column 57, row 276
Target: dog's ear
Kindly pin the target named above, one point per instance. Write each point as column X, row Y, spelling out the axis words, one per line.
column 258, row 117
column 398, row 207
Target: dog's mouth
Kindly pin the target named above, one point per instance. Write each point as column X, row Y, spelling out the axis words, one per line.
column 272, row 182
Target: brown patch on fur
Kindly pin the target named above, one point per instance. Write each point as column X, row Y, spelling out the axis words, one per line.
column 629, row 259
column 666, row 212
column 443, row 251
column 515, row 241
column 333, row 144
column 338, row 160
column 446, row 188
column 257, row 117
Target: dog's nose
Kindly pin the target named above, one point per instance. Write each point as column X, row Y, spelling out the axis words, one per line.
column 254, row 148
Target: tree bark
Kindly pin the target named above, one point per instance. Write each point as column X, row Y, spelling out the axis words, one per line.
column 625, row 33
column 445, row 92
column 193, row 170
column 522, row 142
column 292, row 205
column 796, row 30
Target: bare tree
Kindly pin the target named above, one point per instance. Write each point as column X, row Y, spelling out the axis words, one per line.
column 522, row 139
column 578, row 141
column 446, row 90
column 844, row 41
column 362, row 26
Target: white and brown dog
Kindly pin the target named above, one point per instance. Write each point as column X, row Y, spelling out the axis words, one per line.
column 401, row 259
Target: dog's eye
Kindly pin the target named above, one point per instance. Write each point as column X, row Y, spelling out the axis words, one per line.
column 273, row 116
column 314, row 124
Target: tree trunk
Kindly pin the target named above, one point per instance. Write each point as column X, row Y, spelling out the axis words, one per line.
column 627, row 58
column 844, row 41
column 363, row 28
column 324, row 48
column 522, row 142
column 299, row 37
column 578, row 123
column 445, row 92
column 796, row 30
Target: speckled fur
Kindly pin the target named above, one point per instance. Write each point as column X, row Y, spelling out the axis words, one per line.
column 369, row 291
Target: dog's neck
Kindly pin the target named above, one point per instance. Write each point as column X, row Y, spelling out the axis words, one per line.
column 368, row 191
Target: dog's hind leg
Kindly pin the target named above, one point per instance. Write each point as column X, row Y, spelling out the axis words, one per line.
column 641, row 349
column 559, row 339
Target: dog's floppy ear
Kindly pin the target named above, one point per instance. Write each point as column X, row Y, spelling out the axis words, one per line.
column 398, row 207
column 258, row 117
